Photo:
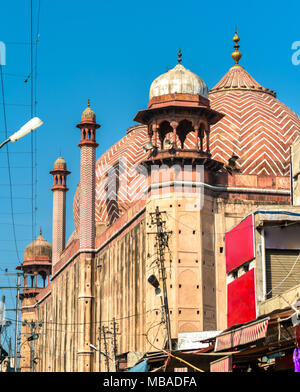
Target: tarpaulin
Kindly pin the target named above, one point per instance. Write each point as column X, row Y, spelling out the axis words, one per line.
column 140, row 367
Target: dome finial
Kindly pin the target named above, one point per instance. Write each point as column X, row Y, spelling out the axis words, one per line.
column 236, row 55
column 40, row 230
column 88, row 102
column 179, row 56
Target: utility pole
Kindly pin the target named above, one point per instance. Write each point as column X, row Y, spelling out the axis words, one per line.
column 18, row 287
column 9, row 354
column 99, row 338
column 2, row 308
column 115, row 347
column 105, row 347
column 32, row 327
column 33, row 336
column 17, row 320
column 17, row 309
column 162, row 238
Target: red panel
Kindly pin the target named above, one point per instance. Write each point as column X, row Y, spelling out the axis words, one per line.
column 241, row 299
column 239, row 244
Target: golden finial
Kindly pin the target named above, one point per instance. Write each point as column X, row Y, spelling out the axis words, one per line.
column 236, row 55
column 179, row 56
column 88, row 102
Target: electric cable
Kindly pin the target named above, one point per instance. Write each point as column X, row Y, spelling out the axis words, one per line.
column 95, row 322
column 8, row 163
column 232, row 230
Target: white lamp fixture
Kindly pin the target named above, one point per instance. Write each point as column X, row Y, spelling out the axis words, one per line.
column 30, row 126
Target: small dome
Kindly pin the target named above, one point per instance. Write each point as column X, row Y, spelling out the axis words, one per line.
column 88, row 113
column 60, row 163
column 178, row 80
column 39, row 247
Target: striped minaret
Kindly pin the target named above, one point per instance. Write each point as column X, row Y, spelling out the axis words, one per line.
column 88, row 147
column 59, row 208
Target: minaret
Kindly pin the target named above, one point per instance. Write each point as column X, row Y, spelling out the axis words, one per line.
column 88, row 147
column 59, row 189
column 87, row 233
column 37, row 270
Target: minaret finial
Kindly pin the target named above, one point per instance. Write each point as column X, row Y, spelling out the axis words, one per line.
column 179, row 56
column 40, row 230
column 236, row 55
column 88, row 102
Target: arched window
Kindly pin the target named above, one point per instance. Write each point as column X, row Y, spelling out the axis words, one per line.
column 183, row 129
column 165, row 133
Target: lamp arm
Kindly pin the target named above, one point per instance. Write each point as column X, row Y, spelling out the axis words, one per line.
column 3, row 143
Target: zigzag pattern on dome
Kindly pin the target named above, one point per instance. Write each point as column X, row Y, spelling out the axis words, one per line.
column 257, row 127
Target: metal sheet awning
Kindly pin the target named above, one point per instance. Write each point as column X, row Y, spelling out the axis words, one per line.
column 243, row 335
column 222, row 365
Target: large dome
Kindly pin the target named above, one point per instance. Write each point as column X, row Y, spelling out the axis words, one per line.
column 178, row 80
column 257, row 127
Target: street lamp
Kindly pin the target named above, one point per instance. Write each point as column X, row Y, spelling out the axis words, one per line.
column 101, row 352
column 106, row 356
column 30, row 338
column 30, row 126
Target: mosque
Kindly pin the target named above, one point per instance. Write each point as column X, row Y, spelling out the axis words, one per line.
column 197, row 163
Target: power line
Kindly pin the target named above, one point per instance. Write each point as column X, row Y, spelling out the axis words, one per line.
column 18, row 43
column 31, row 115
column 94, row 322
column 232, row 230
column 8, row 163
column 13, row 104
column 35, row 105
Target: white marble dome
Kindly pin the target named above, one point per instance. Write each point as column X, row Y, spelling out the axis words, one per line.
column 178, row 80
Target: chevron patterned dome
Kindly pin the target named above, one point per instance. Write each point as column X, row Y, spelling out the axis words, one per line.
column 178, row 80
column 257, row 127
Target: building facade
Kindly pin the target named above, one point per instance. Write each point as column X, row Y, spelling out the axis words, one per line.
column 203, row 159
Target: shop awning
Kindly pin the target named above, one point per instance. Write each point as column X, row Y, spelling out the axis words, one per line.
column 221, row 365
column 243, row 335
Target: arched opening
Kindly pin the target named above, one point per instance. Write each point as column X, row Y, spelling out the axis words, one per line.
column 32, row 279
column 183, row 129
column 201, row 134
column 165, row 133
column 40, row 281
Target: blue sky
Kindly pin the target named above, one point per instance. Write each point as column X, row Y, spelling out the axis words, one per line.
column 110, row 52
